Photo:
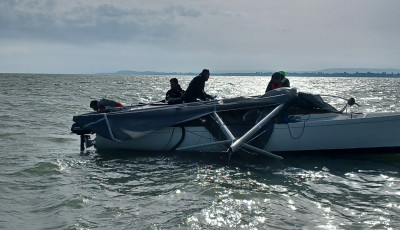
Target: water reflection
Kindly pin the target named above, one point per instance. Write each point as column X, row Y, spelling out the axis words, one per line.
column 48, row 180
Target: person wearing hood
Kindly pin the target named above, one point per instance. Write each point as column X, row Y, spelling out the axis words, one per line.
column 278, row 80
column 195, row 89
column 173, row 96
column 104, row 104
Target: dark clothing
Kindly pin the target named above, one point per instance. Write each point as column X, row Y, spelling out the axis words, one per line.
column 106, row 103
column 272, row 85
column 174, row 93
column 196, row 90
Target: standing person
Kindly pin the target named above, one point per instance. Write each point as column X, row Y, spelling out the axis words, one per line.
column 104, row 104
column 173, row 96
column 278, row 80
column 195, row 89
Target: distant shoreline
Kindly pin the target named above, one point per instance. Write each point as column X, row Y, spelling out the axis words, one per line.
column 251, row 74
column 261, row 74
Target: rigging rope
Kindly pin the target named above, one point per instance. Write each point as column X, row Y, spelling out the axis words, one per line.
column 302, row 131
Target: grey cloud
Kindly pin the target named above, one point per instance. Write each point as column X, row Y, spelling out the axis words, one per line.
column 110, row 11
column 182, row 11
column 90, row 23
column 45, row 5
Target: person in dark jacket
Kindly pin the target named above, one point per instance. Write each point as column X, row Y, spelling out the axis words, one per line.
column 195, row 89
column 278, row 80
column 173, row 96
column 104, row 104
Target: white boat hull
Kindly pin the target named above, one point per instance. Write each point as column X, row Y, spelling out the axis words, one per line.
column 311, row 132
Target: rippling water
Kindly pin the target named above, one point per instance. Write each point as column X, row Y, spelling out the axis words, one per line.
column 45, row 183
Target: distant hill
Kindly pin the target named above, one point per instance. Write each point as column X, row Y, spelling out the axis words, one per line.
column 334, row 72
column 357, row 70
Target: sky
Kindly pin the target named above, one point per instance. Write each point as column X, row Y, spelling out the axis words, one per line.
column 93, row 36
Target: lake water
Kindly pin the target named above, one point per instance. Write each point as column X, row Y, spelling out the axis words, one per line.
column 46, row 183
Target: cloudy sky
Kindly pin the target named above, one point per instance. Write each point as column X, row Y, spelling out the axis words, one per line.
column 91, row 36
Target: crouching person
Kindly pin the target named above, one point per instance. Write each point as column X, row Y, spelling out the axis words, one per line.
column 173, row 96
column 104, row 104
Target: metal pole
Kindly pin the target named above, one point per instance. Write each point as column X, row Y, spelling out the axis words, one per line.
column 255, row 149
column 223, row 127
column 238, row 143
column 204, row 145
